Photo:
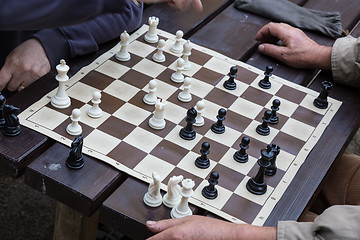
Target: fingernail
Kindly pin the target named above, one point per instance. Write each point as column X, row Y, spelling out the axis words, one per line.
column 261, row 47
column 150, row 223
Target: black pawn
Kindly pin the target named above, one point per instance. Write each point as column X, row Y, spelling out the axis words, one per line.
column 265, row 82
column 257, row 184
column 188, row 132
column 230, row 83
column 2, row 103
column 219, row 127
column 321, row 101
column 210, row 192
column 274, row 119
column 241, row 156
column 75, row 159
column 263, row 129
column 272, row 169
column 203, row 161
column 12, row 125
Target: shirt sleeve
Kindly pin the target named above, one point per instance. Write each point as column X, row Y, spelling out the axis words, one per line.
column 336, row 222
column 345, row 61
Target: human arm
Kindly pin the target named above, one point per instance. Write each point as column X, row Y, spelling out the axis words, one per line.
column 180, row 4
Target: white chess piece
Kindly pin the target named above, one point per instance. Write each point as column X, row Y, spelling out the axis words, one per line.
column 199, row 120
column 151, row 36
column 74, row 127
column 95, row 111
column 123, row 55
column 183, row 210
column 185, row 95
column 177, row 76
column 157, row 121
column 159, row 55
column 60, row 99
column 186, row 55
column 172, row 197
column 151, row 98
column 178, row 47
column 152, row 197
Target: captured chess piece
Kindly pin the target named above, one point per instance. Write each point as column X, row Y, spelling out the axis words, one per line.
column 159, row 55
column 257, row 184
column 265, row 82
column 152, row 197
column 241, row 156
column 182, row 209
column 123, row 55
column 74, row 127
column 60, row 99
column 321, row 101
column 75, row 159
column 203, row 161
column 157, row 121
column 95, row 111
column 188, row 132
column 199, row 120
column 185, row 95
column 274, row 119
column 186, row 54
column 219, row 127
column 263, row 129
column 172, row 197
column 12, row 125
column 2, row 103
column 151, row 36
column 177, row 48
column 272, row 169
column 230, row 83
column 210, row 192
column 177, row 76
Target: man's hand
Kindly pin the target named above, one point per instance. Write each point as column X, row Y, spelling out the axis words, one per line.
column 180, row 4
column 24, row 65
column 296, row 50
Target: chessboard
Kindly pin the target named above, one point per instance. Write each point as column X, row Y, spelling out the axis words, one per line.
column 122, row 136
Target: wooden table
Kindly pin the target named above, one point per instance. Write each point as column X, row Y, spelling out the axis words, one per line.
column 119, row 197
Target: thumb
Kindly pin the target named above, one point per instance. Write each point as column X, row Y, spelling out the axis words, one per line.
column 272, row 50
column 163, row 224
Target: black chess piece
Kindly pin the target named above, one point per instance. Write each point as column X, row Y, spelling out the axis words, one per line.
column 75, row 159
column 257, row 184
column 2, row 103
column 272, row 169
column 263, row 129
column 203, row 161
column 12, row 125
column 188, row 132
column 210, row 192
column 274, row 119
column 321, row 101
column 219, row 127
column 241, row 156
column 265, row 82
column 230, row 83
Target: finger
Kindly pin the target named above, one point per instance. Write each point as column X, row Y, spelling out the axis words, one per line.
column 272, row 50
column 197, row 5
column 163, row 224
column 5, row 77
column 271, row 31
column 16, row 81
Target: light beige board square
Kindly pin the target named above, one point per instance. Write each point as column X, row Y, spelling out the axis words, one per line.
column 251, row 132
column 48, row 118
column 141, row 49
column 81, row 92
column 246, row 108
column 211, row 110
column 152, row 164
column 143, row 139
column 240, row 87
column 101, row 142
column 219, row 201
column 243, row 192
column 292, row 127
column 174, row 137
column 200, row 88
column 121, row 90
column 284, row 159
column 93, row 122
column 174, row 112
column 275, row 86
column 149, row 68
column 244, row 168
column 218, row 65
column 307, row 102
column 227, row 138
column 188, row 164
column 163, row 90
column 131, row 114
column 112, row 69
column 286, row 107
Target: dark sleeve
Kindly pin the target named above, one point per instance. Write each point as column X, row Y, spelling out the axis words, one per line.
column 71, row 41
column 40, row 14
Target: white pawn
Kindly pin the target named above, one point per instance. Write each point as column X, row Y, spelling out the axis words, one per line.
column 159, row 55
column 186, row 54
column 151, row 98
column 185, row 95
column 157, row 121
column 74, row 128
column 60, row 99
column 172, row 197
column 199, row 120
column 151, row 36
column 177, row 47
column 183, row 210
column 152, row 197
column 177, row 76
column 95, row 111
column 123, row 55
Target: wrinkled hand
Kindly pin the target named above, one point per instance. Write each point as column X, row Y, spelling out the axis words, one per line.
column 296, row 50
column 180, row 4
column 24, row 65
